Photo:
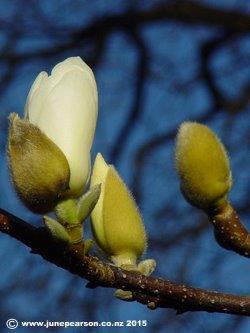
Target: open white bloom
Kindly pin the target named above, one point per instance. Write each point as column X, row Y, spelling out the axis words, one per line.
column 63, row 105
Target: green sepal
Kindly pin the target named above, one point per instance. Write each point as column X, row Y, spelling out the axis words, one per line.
column 87, row 202
column 56, row 230
column 66, row 211
column 146, row 267
column 88, row 243
column 39, row 169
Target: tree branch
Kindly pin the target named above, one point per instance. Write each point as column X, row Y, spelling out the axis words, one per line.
column 182, row 11
column 155, row 292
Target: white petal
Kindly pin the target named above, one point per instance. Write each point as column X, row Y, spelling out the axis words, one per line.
column 99, row 173
column 68, row 117
column 39, row 81
column 72, row 63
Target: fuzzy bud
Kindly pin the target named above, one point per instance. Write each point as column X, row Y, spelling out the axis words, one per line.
column 116, row 221
column 39, row 170
column 203, row 166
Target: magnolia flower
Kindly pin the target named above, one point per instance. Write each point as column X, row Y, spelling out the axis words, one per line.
column 116, row 221
column 61, row 109
column 64, row 107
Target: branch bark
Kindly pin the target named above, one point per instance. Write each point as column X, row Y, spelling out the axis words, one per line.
column 154, row 292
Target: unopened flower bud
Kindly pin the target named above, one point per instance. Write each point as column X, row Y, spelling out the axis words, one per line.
column 63, row 106
column 203, row 166
column 116, row 221
column 49, row 150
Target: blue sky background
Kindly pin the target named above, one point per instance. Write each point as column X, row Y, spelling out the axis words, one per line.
column 173, row 91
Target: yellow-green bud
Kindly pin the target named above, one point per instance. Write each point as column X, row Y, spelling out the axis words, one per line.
column 39, row 170
column 116, row 221
column 66, row 212
column 56, row 230
column 203, row 166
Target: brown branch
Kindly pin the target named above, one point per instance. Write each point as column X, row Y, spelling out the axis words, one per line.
column 155, row 292
column 229, row 232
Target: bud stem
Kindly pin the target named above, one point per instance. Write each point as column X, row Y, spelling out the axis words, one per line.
column 66, row 212
column 229, row 232
column 126, row 261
